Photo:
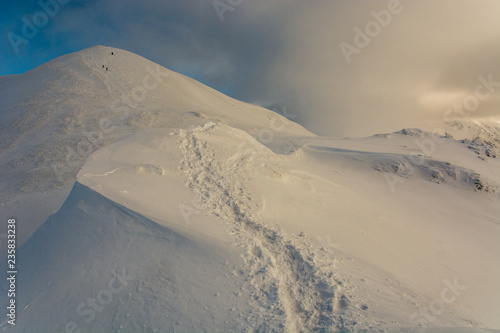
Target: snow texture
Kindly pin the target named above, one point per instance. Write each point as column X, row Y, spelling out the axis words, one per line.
column 148, row 202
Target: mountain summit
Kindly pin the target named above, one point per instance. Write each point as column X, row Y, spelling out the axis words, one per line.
column 54, row 116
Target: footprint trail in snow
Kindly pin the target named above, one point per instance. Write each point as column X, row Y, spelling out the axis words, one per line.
column 296, row 295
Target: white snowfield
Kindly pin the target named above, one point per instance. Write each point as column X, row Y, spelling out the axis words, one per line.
column 186, row 210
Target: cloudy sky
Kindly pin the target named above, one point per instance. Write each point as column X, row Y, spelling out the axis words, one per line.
column 342, row 67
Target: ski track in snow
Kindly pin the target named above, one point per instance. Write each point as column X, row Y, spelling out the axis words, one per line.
column 295, row 288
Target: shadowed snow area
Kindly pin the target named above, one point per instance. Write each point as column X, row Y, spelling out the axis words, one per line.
column 191, row 211
column 102, row 267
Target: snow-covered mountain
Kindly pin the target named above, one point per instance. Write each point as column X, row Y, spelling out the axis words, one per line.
column 482, row 137
column 177, row 208
column 54, row 116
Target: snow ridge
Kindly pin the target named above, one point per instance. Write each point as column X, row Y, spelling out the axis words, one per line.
column 435, row 171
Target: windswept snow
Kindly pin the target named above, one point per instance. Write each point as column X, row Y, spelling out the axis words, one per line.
column 54, row 116
column 223, row 216
column 331, row 198
column 97, row 266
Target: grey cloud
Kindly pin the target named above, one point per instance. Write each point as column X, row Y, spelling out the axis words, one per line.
column 382, row 89
column 286, row 52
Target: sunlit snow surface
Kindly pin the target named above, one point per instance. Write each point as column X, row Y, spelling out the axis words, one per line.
column 222, row 216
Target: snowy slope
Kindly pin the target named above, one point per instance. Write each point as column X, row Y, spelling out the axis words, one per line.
column 334, row 191
column 54, row 116
column 96, row 266
column 482, row 137
column 228, row 217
